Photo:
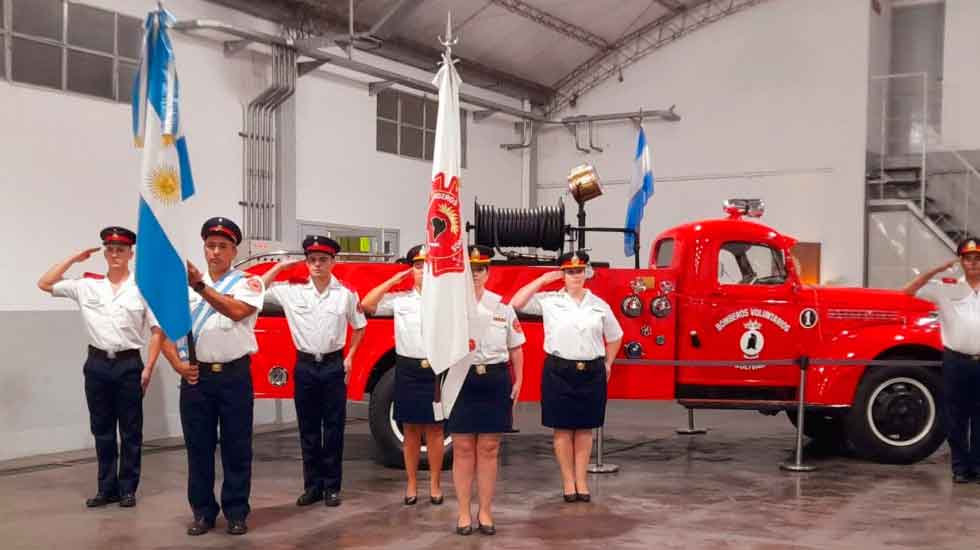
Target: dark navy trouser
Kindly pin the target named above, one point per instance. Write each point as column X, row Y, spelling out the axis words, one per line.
column 961, row 385
column 115, row 400
column 222, row 397
column 321, row 412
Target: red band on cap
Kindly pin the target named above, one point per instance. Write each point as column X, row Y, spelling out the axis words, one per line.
column 317, row 247
column 117, row 238
column 224, row 231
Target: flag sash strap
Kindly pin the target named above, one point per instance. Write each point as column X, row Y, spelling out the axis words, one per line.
column 204, row 311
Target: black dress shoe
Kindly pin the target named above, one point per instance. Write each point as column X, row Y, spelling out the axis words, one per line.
column 332, row 498
column 489, row 530
column 101, row 500
column 127, row 501
column 583, row 497
column 412, row 500
column 465, row 530
column 200, row 526
column 237, row 527
column 437, row 500
column 570, row 498
column 961, row 478
column 309, row 497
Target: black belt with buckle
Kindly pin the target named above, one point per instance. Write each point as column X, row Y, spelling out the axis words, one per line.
column 220, row 368
column 965, row 356
column 422, row 363
column 576, row 364
column 483, row 369
column 318, row 357
column 112, row 355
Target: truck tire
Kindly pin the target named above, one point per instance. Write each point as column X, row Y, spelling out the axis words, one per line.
column 821, row 426
column 895, row 418
column 388, row 438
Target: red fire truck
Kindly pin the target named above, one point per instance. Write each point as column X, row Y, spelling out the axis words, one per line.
column 718, row 299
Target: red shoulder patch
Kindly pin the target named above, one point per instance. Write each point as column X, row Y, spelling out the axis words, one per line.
column 359, row 308
column 472, row 344
column 517, row 325
column 950, row 280
column 90, row 275
column 254, row 284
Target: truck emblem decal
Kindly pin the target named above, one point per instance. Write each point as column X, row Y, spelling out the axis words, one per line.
column 808, row 318
column 752, row 312
column 752, row 340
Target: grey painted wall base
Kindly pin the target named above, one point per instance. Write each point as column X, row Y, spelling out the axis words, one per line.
column 42, row 397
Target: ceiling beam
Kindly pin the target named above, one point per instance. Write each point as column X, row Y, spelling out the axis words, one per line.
column 674, row 6
column 638, row 44
column 312, row 16
column 553, row 22
column 384, row 27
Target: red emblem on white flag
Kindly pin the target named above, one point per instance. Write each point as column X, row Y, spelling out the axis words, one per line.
column 443, row 227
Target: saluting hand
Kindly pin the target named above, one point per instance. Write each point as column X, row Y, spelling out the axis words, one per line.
column 400, row 275
column 194, row 275
column 85, row 254
column 948, row 265
column 552, row 276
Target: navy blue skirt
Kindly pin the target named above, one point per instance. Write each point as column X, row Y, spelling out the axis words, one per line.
column 573, row 393
column 415, row 390
column 484, row 405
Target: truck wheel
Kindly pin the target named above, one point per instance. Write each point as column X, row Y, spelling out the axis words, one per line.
column 387, row 433
column 822, row 426
column 895, row 418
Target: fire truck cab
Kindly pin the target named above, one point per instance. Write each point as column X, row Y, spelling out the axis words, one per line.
column 720, row 298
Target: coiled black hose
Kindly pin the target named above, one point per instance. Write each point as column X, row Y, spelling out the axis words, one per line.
column 541, row 227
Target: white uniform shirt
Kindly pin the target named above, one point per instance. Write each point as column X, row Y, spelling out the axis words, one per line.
column 220, row 339
column 503, row 334
column 574, row 331
column 407, row 309
column 114, row 321
column 959, row 314
column 318, row 322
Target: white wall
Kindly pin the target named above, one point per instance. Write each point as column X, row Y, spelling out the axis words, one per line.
column 68, row 168
column 341, row 178
column 773, row 103
column 961, row 79
column 879, row 63
column 900, row 247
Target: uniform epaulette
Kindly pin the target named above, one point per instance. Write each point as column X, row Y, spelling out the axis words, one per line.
column 90, row 275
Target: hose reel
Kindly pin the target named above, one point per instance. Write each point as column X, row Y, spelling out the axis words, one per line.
column 541, row 227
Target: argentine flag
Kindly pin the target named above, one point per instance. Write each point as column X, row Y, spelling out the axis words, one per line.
column 165, row 180
column 641, row 188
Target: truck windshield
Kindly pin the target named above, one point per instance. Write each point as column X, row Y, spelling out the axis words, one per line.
column 742, row 263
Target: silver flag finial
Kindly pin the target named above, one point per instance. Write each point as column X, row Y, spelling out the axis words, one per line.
column 449, row 39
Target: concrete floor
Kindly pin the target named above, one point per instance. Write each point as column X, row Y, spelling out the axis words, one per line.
column 721, row 491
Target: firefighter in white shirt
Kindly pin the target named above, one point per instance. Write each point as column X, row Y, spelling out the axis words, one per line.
column 318, row 312
column 415, row 383
column 117, row 321
column 958, row 301
column 216, row 390
column 484, row 408
column 581, row 338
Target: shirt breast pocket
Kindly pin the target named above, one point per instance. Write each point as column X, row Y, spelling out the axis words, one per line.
column 590, row 320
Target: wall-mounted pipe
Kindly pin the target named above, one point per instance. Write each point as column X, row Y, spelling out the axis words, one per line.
column 573, row 128
column 527, row 136
column 593, row 146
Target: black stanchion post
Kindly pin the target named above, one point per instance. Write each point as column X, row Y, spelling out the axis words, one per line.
column 599, row 467
column 797, row 465
column 690, row 429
